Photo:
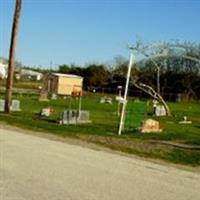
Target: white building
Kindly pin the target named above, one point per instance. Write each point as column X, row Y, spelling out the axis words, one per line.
column 3, row 70
column 26, row 74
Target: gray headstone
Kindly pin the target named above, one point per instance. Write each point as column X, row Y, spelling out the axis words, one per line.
column 84, row 116
column 106, row 100
column 2, row 104
column 15, row 106
column 102, row 100
column 69, row 117
column 53, row 96
column 109, row 100
column 74, row 117
column 63, row 119
column 43, row 96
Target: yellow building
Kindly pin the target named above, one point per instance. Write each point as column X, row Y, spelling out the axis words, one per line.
column 65, row 84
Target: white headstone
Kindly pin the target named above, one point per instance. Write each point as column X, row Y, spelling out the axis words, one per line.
column 53, row 96
column 45, row 112
column 2, row 104
column 185, row 121
column 109, row 100
column 160, row 110
column 15, row 106
column 102, row 100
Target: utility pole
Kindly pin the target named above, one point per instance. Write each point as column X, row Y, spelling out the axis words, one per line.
column 11, row 63
column 122, row 117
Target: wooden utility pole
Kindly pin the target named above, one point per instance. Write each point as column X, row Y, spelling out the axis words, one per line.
column 11, row 63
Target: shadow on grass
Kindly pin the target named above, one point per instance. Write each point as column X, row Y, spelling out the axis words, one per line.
column 38, row 117
column 50, row 120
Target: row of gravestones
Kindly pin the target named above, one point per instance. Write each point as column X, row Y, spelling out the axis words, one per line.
column 68, row 116
column 74, row 117
column 105, row 100
column 15, row 105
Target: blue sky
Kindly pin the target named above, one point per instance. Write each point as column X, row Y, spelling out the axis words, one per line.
column 86, row 31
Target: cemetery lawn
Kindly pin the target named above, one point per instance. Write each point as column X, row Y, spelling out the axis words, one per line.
column 104, row 126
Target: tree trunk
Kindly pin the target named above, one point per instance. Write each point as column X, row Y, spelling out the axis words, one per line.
column 11, row 64
column 149, row 90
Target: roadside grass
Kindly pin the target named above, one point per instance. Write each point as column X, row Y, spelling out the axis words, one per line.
column 104, row 126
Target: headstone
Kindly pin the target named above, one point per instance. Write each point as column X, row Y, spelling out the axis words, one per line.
column 160, row 110
column 63, row 118
column 43, row 96
column 119, row 98
column 2, row 104
column 185, row 121
column 109, row 100
column 46, row 112
column 103, row 100
column 155, row 104
column 68, row 117
column 74, row 117
column 150, row 126
column 106, row 100
column 179, row 97
column 15, row 106
column 53, row 96
column 84, row 117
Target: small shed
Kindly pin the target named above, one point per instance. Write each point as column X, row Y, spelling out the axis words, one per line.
column 65, row 84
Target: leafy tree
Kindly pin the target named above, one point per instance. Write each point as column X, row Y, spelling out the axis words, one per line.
column 96, row 75
column 64, row 69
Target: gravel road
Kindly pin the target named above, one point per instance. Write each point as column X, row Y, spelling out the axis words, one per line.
column 35, row 168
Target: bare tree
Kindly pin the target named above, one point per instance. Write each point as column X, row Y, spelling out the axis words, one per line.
column 151, row 55
column 149, row 90
column 161, row 50
column 11, row 64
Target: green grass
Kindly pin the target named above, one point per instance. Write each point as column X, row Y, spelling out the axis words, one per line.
column 103, row 117
column 135, row 114
column 104, row 126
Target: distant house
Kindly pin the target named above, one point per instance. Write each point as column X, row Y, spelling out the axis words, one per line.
column 64, row 84
column 3, row 70
column 26, row 74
